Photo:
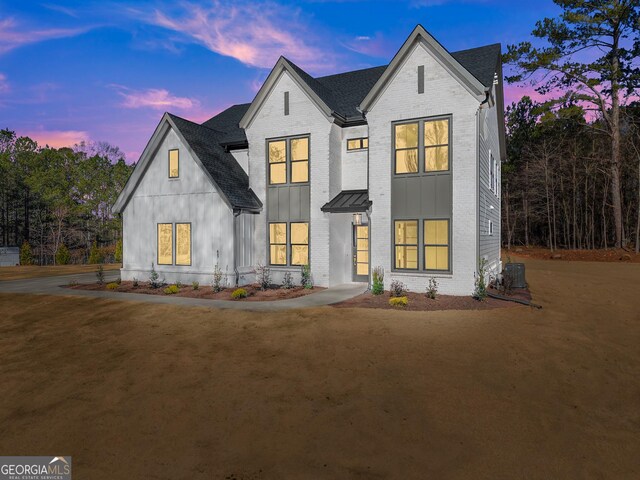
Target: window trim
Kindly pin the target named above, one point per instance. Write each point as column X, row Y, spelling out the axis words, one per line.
column 421, row 146
column 361, row 147
column 288, row 162
column 286, row 241
column 158, row 243
column 169, row 163
column 425, row 245
column 290, row 244
column 175, row 260
column 417, row 245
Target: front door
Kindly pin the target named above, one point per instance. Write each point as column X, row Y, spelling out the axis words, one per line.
column 361, row 253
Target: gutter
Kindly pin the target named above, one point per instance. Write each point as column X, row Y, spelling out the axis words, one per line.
column 236, row 214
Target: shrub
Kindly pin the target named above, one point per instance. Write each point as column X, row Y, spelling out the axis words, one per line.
column 480, row 290
column 73, row 283
column 117, row 256
column 135, row 282
column 63, row 257
column 195, row 285
column 171, row 290
column 305, row 277
column 399, row 302
column 100, row 274
column 398, row 289
column 239, row 293
column 218, row 279
column 432, row 289
column 154, row 278
column 378, row 281
column 263, row 276
column 179, row 284
column 26, row 255
column 287, row 281
column 95, row 255
column 112, row 286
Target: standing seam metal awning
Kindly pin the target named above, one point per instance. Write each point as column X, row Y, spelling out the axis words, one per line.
column 349, row 201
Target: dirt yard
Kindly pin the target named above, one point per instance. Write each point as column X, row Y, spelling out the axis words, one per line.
column 33, row 271
column 600, row 255
column 135, row 390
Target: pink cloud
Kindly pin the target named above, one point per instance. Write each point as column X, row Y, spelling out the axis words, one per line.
column 513, row 93
column 13, row 36
column 58, row 138
column 155, row 98
column 255, row 33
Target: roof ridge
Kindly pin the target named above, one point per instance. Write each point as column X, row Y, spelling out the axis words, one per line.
column 195, row 123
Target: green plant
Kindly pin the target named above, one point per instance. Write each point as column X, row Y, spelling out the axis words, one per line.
column 218, row 279
column 95, row 255
column 399, row 302
column 432, row 288
column 195, row 285
column 154, row 278
column 172, row 289
column 112, row 286
column 73, row 283
column 263, row 276
column 135, row 282
column 118, row 253
column 398, row 289
column 179, row 284
column 63, row 256
column 26, row 255
column 100, row 274
column 305, row 277
column 480, row 290
column 287, row 281
column 377, row 288
column 239, row 293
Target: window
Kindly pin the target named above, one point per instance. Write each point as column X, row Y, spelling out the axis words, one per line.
column 294, row 151
column 300, row 160
column 406, row 148
column 183, row 244
column 165, row 244
column 436, row 145
column 436, row 244
column 490, row 227
column 278, row 162
column 299, row 243
column 406, row 244
column 357, row 144
column 278, row 243
column 174, row 163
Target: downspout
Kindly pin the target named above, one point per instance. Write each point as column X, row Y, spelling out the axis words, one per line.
column 236, row 214
column 369, row 242
column 478, row 225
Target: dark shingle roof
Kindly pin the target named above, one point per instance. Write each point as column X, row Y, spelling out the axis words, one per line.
column 227, row 122
column 221, row 165
column 481, row 62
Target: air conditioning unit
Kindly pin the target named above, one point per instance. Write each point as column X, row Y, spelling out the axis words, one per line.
column 515, row 271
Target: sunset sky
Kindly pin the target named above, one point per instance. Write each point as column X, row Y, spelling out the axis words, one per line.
column 106, row 71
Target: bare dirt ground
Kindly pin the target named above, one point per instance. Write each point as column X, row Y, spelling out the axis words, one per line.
column 600, row 255
column 254, row 293
column 34, row 271
column 136, row 390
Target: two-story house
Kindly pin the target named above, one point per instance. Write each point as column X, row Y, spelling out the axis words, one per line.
column 396, row 166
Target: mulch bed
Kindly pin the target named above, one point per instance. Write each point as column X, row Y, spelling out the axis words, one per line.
column 253, row 291
column 420, row 302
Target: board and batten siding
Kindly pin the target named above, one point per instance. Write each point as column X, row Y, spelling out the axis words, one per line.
column 489, row 144
column 190, row 198
column 443, row 95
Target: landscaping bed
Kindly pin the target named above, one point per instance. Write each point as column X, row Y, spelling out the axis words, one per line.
column 254, row 293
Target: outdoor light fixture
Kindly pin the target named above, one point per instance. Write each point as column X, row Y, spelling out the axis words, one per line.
column 357, row 219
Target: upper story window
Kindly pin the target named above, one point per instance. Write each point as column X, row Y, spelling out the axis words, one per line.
column 422, row 145
column 357, row 144
column 288, row 161
column 174, row 163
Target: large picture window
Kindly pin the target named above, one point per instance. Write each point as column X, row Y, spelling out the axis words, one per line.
column 422, row 145
column 436, row 145
column 183, row 244
column 406, row 145
column 436, row 244
column 406, row 244
column 278, row 243
column 288, row 161
column 165, row 244
column 299, row 243
column 174, row 163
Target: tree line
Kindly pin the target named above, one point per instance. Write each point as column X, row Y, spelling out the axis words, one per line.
column 56, row 203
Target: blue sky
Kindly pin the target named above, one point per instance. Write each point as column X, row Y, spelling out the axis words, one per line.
column 106, row 71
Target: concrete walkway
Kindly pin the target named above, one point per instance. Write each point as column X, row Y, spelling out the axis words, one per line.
column 56, row 286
